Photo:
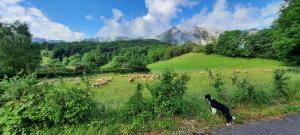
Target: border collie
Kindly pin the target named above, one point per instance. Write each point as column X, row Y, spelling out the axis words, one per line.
column 215, row 105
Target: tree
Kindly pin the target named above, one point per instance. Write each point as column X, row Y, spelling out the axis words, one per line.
column 17, row 53
column 209, row 49
column 260, row 45
column 231, row 43
column 287, row 32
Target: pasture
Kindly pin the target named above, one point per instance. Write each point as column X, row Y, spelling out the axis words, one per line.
column 259, row 72
column 194, row 62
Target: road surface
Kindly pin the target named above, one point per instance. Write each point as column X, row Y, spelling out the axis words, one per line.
column 287, row 126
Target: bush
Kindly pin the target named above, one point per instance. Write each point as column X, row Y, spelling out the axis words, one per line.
column 136, row 105
column 82, row 68
column 280, row 83
column 29, row 105
column 209, row 49
column 218, row 85
column 247, row 93
column 167, row 94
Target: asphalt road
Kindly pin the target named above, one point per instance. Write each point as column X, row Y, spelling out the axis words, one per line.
column 287, row 126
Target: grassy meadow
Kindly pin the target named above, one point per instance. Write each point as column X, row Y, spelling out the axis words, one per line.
column 198, row 118
column 194, row 62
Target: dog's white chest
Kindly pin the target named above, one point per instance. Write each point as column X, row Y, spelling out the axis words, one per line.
column 213, row 110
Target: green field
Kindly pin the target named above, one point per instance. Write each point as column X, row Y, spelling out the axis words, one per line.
column 259, row 72
column 200, row 62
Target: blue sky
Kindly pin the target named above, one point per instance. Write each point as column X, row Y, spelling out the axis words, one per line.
column 75, row 20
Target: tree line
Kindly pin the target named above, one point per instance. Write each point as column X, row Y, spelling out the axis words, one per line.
column 281, row 41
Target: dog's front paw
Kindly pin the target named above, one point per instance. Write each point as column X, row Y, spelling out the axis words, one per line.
column 229, row 124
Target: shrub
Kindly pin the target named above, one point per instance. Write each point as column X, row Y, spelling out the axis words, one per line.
column 280, row 83
column 137, row 112
column 167, row 94
column 29, row 105
column 247, row 92
column 136, row 105
column 82, row 68
column 209, row 49
column 218, row 85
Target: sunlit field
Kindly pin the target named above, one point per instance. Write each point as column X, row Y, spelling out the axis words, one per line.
column 115, row 94
column 194, row 62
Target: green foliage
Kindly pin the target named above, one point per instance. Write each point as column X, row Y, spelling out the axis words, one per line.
column 74, row 59
column 17, row 53
column 133, row 54
column 247, row 92
column 130, row 57
column 209, row 49
column 137, row 106
column 280, row 83
column 231, row 43
column 259, row 45
column 137, row 111
column 287, row 33
column 245, row 44
column 218, row 85
column 29, row 105
column 198, row 48
column 54, row 65
column 167, row 94
column 82, row 68
column 92, row 59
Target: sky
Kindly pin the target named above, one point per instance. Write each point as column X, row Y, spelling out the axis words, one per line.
column 75, row 20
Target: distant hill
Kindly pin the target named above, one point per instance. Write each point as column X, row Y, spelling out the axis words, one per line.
column 198, row 36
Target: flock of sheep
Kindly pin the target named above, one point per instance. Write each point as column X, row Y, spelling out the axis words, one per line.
column 102, row 81
column 132, row 78
column 144, row 77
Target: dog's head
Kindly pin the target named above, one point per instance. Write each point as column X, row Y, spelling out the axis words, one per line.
column 207, row 97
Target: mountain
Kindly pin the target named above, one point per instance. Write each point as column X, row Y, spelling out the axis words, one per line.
column 198, row 36
column 96, row 39
column 175, row 36
column 102, row 39
column 43, row 40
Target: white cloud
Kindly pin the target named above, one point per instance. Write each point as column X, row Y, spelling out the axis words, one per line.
column 156, row 20
column 241, row 17
column 89, row 17
column 40, row 25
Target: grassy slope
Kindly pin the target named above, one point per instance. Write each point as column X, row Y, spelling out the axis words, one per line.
column 259, row 72
column 200, row 61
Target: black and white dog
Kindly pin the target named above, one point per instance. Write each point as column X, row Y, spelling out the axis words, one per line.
column 215, row 105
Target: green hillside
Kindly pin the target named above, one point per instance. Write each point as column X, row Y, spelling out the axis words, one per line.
column 200, row 61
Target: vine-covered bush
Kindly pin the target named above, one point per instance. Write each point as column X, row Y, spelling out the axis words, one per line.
column 28, row 105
